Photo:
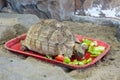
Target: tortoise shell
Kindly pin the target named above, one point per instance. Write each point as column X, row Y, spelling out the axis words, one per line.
column 50, row 37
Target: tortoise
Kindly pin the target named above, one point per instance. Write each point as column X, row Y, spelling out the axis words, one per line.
column 51, row 37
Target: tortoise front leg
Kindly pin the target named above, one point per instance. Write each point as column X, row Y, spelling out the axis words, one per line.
column 24, row 48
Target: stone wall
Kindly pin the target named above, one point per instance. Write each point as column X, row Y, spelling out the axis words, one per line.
column 102, row 8
column 2, row 4
column 62, row 9
column 58, row 9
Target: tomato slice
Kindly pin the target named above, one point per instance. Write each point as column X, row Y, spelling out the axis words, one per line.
column 87, row 55
column 59, row 58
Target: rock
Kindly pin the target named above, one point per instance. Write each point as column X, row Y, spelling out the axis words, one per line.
column 112, row 22
column 9, row 32
column 7, row 10
column 2, row 4
column 97, row 8
column 110, row 72
column 118, row 34
column 12, row 25
column 30, row 7
column 101, row 8
column 24, row 19
column 61, row 9
column 57, row 9
column 102, row 21
column 6, row 33
column 17, row 69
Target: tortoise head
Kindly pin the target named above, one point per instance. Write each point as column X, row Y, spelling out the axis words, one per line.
column 79, row 50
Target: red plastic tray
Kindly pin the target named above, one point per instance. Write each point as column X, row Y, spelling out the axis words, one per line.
column 14, row 45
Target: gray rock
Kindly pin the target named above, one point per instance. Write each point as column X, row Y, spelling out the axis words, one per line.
column 45, row 9
column 112, row 22
column 6, row 33
column 12, row 25
column 23, row 19
column 98, row 8
column 17, row 69
column 102, row 21
column 9, row 32
column 118, row 34
column 2, row 4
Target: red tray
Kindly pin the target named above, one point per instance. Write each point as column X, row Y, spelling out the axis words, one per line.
column 14, row 45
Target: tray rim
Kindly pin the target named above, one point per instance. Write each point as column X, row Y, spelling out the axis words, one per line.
column 19, row 38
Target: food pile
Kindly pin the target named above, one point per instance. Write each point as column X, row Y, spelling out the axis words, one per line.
column 93, row 51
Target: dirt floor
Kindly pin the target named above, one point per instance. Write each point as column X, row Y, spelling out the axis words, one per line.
column 108, row 68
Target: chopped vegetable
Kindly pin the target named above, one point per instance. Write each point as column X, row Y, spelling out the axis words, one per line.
column 96, row 50
column 89, row 60
column 49, row 57
column 67, row 60
column 75, row 62
column 95, row 55
column 90, row 49
column 70, row 63
column 60, row 58
column 80, row 63
column 99, row 48
column 94, row 43
column 86, row 41
column 87, row 55
column 84, row 61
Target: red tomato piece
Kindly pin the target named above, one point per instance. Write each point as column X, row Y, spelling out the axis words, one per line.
column 87, row 55
column 59, row 58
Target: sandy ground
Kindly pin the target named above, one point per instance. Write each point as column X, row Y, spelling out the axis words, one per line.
column 108, row 68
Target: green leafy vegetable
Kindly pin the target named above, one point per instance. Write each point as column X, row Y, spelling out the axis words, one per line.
column 80, row 63
column 99, row 48
column 49, row 57
column 89, row 60
column 94, row 43
column 94, row 55
column 75, row 61
column 86, row 41
column 67, row 60
column 96, row 50
column 84, row 61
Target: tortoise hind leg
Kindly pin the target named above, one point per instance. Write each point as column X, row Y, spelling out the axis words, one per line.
column 23, row 47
